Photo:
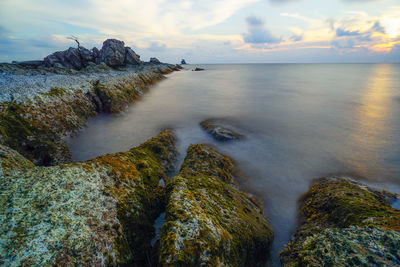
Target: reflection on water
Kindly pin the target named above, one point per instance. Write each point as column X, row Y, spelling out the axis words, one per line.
column 302, row 121
column 373, row 129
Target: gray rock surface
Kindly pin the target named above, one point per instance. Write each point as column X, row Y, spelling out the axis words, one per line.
column 113, row 52
column 219, row 130
column 131, row 57
column 154, row 60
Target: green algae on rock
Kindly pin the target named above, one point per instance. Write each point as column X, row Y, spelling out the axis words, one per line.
column 11, row 161
column 336, row 211
column 93, row 213
column 208, row 220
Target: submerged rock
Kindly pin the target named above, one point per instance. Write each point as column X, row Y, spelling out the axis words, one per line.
column 94, row 213
column 208, row 221
column 220, row 131
column 344, row 223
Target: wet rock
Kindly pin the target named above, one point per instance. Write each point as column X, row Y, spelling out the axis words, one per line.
column 344, row 223
column 131, row 57
column 94, row 213
column 154, row 60
column 208, row 221
column 113, row 52
column 198, row 69
column 219, row 131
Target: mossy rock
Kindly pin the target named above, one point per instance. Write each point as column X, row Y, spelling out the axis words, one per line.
column 332, row 206
column 92, row 213
column 209, row 222
column 11, row 161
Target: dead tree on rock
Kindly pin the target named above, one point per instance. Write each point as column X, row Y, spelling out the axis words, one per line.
column 74, row 38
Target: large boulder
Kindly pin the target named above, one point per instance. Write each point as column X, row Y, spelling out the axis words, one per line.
column 345, row 223
column 208, row 221
column 113, row 53
column 131, row 57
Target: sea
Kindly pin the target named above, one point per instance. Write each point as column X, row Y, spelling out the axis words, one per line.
column 301, row 122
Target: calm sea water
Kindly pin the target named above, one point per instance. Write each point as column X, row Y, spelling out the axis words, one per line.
column 302, row 121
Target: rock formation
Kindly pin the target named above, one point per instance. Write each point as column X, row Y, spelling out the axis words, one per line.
column 154, row 60
column 208, row 221
column 101, row 212
column 113, row 54
column 219, row 131
column 345, row 223
column 183, row 62
column 94, row 213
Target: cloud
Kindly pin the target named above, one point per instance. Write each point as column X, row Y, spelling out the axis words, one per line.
column 378, row 27
column 254, row 21
column 258, row 34
column 341, row 32
column 157, row 47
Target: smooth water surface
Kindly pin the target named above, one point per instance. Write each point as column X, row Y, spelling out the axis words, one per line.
column 302, row 121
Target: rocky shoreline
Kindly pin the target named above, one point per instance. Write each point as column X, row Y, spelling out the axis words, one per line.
column 101, row 212
column 40, row 105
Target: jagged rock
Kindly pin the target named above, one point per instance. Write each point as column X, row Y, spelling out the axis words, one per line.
column 94, row 213
column 345, row 223
column 183, row 62
column 219, row 131
column 74, row 58
column 154, row 60
column 208, row 221
column 131, row 57
column 113, row 52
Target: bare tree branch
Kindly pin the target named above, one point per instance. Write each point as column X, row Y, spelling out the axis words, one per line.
column 74, row 38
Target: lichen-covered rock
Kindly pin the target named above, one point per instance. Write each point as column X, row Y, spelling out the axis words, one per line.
column 209, row 222
column 94, row 213
column 35, row 127
column 11, row 161
column 219, row 131
column 334, row 213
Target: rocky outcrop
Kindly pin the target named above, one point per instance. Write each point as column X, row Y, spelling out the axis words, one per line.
column 154, row 60
column 94, row 213
column 219, row 130
column 208, row 221
column 35, row 127
column 183, row 62
column 198, row 69
column 345, row 223
column 113, row 54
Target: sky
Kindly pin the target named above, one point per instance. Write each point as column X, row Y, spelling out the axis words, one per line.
column 208, row 31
